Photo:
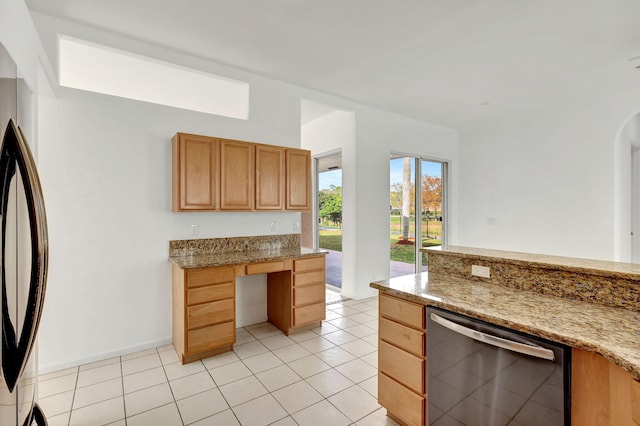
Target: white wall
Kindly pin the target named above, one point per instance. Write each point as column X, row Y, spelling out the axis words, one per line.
column 106, row 173
column 626, row 190
column 391, row 133
column 366, row 149
column 329, row 133
column 20, row 39
column 549, row 183
column 105, row 165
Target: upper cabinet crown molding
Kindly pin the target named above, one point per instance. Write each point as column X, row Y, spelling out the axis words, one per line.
column 215, row 174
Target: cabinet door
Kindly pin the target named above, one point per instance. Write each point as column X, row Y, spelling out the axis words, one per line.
column 298, row 193
column 602, row 393
column 270, row 177
column 195, row 172
column 236, row 175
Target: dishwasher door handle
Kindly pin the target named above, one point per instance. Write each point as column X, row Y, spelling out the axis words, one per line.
column 535, row 351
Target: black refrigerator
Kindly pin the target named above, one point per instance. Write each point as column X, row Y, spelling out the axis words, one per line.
column 24, row 246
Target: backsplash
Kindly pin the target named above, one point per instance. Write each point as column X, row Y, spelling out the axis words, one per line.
column 561, row 279
column 232, row 244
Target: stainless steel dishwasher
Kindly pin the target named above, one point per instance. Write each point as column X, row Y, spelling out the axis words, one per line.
column 482, row 374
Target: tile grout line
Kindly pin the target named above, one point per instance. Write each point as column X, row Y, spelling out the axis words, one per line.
column 124, row 403
column 74, row 395
column 259, row 337
column 175, row 402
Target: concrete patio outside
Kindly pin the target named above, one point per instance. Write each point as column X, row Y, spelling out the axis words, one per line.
column 334, row 268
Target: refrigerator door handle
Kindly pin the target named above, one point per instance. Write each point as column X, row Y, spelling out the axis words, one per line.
column 532, row 350
column 38, row 416
column 15, row 157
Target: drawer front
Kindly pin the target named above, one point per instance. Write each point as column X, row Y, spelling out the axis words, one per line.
column 207, row 276
column 309, row 294
column 266, row 267
column 408, row 313
column 401, row 402
column 210, row 293
column 212, row 337
column 308, row 314
column 402, row 366
column 210, row 313
column 406, row 338
column 308, row 264
column 305, row 278
column 635, row 401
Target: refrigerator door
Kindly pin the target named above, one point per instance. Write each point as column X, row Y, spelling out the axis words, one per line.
column 17, row 170
column 23, row 245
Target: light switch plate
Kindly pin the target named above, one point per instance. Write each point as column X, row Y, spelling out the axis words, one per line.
column 480, row 271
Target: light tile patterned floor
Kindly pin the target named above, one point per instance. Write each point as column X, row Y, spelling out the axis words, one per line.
column 326, row 376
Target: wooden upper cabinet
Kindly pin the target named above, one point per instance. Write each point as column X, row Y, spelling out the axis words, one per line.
column 298, row 172
column 195, row 172
column 236, row 175
column 223, row 174
column 270, row 177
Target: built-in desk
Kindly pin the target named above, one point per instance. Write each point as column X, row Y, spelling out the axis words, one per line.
column 204, row 295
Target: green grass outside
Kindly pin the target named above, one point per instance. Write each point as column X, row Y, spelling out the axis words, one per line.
column 332, row 240
column 432, row 229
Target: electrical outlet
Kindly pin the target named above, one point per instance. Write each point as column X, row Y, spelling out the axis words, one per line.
column 480, row 271
column 272, row 226
column 296, row 226
column 195, row 229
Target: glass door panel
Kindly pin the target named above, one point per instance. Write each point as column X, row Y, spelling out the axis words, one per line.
column 432, row 217
column 412, row 228
column 402, row 219
column 329, row 214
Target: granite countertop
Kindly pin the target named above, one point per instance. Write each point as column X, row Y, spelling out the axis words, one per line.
column 612, row 332
column 595, row 267
column 242, row 257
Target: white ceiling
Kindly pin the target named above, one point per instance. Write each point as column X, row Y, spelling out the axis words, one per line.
column 434, row 60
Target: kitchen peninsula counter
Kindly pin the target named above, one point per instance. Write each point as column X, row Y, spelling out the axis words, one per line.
column 591, row 306
column 611, row 332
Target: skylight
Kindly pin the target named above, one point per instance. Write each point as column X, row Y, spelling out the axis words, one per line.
column 101, row 69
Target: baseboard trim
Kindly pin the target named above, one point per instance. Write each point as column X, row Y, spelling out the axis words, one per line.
column 52, row 367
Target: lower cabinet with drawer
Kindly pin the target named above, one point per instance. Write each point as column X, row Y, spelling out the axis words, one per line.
column 296, row 298
column 402, row 364
column 203, row 311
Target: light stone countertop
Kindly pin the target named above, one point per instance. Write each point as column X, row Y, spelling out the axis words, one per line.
column 596, row 267
column 612, row 332
column 242, row 257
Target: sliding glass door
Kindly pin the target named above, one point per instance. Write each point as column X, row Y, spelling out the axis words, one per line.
column 329, row 214
column 417, row 218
